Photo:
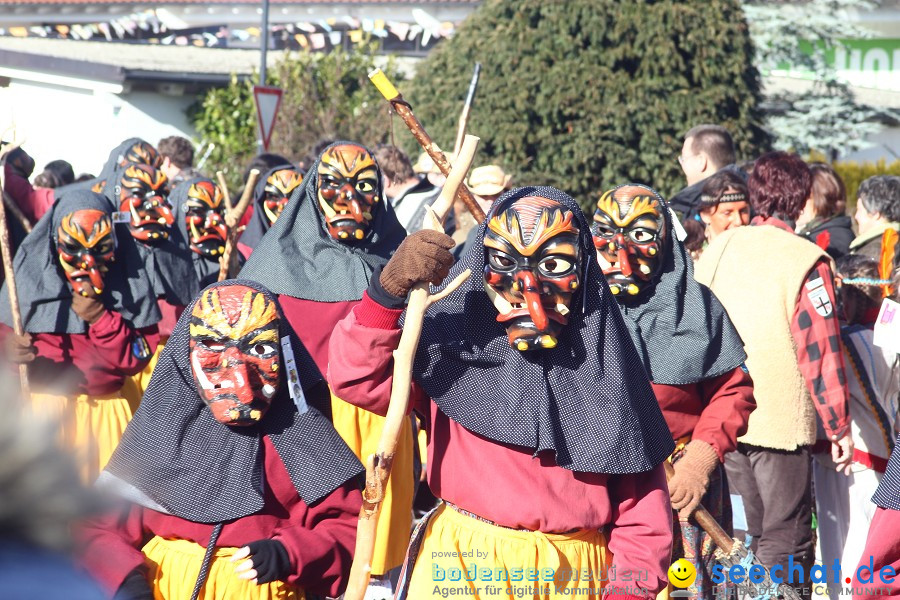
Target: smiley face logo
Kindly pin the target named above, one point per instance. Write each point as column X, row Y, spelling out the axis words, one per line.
column 682, row 573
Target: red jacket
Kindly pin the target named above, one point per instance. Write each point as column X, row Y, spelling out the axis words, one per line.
column 503, row 483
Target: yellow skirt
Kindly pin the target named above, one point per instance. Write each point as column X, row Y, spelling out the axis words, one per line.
column 136, row 384
column 361, row 430
column 175, row 564
column 464, row 556
column 91, row 426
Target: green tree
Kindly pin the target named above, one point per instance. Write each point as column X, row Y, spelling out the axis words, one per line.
column 586, row 94
column 326, row 96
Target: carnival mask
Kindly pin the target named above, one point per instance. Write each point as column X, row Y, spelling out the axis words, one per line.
column 143, row 194
column 234, row 353
column 532, row 269
column 348, row 190
column 86, row 246
column 140, row 153
column 279, row 187
column 629, row 234
column 205, row 219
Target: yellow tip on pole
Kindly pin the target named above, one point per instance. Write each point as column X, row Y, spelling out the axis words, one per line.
column 383, row 84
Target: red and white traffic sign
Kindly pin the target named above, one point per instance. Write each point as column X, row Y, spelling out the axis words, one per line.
column 268, row 100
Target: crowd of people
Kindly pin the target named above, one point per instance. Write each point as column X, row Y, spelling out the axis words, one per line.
column 592, row 383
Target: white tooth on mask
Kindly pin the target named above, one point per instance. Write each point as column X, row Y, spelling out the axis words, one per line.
column 268, row 390
column 502, row 304
column 644, row 269
column 202, row 379
column 562, row 309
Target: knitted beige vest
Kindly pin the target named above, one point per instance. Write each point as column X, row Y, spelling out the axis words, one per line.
column 757, row 273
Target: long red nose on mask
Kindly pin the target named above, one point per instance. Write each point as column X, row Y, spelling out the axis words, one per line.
column 622, row 254
column 356, row 211
column 532, row 294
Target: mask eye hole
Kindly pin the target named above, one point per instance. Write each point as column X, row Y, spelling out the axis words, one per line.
column 329, row 182
column 501, row 262
column 365, row 185
column 212, row 344
column 556, row 265
column 602, row 231
column 262, row 350
column 641, row 236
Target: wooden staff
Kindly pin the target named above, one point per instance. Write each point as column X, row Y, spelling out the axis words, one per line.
column 6, row 250
column 467, row 106
column 402, row 108
column 223, row 185
column 16, row 212
column 232, row 218
column 378, row 466
column 732, row 551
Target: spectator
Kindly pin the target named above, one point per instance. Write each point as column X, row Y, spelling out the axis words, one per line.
column 724, row 203
column 877, row 211
column 407, row 192
column 707, row 150
column 778, row 290
column 61, row 169
column 177, row 159
column 844, row 510
column 822, row 220
column 47, row 179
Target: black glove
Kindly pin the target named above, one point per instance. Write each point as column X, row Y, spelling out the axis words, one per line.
column 270, row 560
column 135, row 587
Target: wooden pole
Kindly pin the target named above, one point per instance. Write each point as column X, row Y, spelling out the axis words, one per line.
column 731, row 551
column 6, row 250
column 467, row 106
column 227, row 264
column 402, row 108
column 378, row 465
column 223, row 185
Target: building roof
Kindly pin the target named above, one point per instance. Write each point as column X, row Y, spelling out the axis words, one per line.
column 151, row 4
column 116, row 62
column 120, row 63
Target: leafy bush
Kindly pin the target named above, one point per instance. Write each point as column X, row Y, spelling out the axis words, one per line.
column 586, row 94
column 326, row 96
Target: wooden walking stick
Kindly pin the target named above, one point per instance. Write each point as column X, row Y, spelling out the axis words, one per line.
column 223, row 185
column 6, row 251
column 467, row 106
column 402, row 108
column 731, row 551
column 228, row 262
column 378, row 466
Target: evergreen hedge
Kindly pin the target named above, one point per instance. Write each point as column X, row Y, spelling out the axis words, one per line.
column 586, row 94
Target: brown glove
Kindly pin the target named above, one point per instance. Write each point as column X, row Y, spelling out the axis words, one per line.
column 89, row 308
column 423, row 256
column 691, row 479
column 19, row 348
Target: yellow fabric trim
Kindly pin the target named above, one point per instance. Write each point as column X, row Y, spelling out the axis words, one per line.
column 566, row 565
column 174, row 565
column 90, row 426
column 361, row 430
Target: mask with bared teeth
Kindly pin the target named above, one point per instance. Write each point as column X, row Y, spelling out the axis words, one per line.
column 532, row 269
column 234, row 352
